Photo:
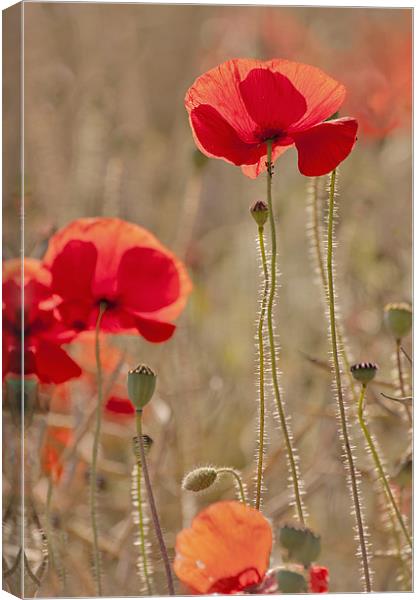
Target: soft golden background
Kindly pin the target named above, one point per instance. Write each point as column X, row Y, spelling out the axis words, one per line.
column 106, row 134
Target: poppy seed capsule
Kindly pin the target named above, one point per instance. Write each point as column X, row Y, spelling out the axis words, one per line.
column 199, row 479
column 259, row 211
column 364, row 372
column 290, row 582
column 398, row 318
column 141, row 385
column 302, row 544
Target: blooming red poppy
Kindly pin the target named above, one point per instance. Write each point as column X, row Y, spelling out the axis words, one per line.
column 235, row 108
column 225, row 551
column 319, row 579
column 142, row 285
column 42, row 333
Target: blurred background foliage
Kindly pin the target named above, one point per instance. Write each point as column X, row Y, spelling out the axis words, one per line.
column 106, row 134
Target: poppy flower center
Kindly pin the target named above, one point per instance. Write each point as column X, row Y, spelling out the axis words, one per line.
column 264, row 134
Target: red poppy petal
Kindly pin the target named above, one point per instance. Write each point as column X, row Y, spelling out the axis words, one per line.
column 323, row 94
column 153, row 330
column 228, row 544
column 271, row 100
column 73, row 270
column 323, row 147
column 217, row 137
column 53, row 364
column 120, row 406
column 147, row 280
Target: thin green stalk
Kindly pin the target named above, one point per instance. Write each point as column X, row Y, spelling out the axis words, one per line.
column 379, row 466
column 152, row 504
column 259, row 475
column 316, row 226
column 401, row 379
column 279, row 403
column 238, row 480
column 95, row 452
column 48, row 522
column 141, row 531
column 339, row 389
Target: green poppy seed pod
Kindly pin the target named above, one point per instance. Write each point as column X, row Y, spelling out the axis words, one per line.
column 302, row 544
column 259, row 211
column 364, row 372
column 398, row 318
column 290, row 582
column 141, row 385
column 199, row 479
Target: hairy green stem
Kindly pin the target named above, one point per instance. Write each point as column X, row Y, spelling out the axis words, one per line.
column 378, row 465
column 152, row 504
column 95, row 452
column 141, row 531
column 339, row 390
column 316, row 225
column 259, row 475
column 279, row 403
column 238, row 480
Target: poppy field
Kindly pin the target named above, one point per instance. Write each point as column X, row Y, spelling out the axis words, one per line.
column 207, row 356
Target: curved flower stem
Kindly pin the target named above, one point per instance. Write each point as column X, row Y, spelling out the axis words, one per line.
column 317, row 251
column 378, row 464
column 141, row 531
column 401, row 379
column 153, row 509
column 93, row 469
column 238, row 480
column 259, row 474
column 339, row 390
column 279, row 403
column 48, row 522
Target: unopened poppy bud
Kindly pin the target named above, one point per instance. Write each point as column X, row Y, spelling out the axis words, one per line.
column 302, row 544
column 398, row 318
column 364, row 372
column 259, row 211
column 290, row 582
column 199, row 479
column 141, row 385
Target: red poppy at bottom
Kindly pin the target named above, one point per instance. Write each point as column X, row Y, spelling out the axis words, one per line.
column 225, row 551
column 319, row 579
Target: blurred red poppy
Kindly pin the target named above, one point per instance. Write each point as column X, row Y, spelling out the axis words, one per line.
column 235, row 108
column 225, row 551
column 120, row 406
column 41, row 331
column 56, row 440
column 319, row 579
column 143, row 286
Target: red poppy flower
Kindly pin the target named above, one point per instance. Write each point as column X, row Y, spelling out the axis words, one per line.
column 56, row 440
column 120, row 406
column 225, row 551
column 43, row 332
column 143, row 286
column 319, row 579
column 239, row 105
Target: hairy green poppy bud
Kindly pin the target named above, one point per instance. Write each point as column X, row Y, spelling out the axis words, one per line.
column 199, row 479
column 290, row 582
column 259, row 211
column 302, row 544
column 141, row 385
column 398, row 318
column 364, row 372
